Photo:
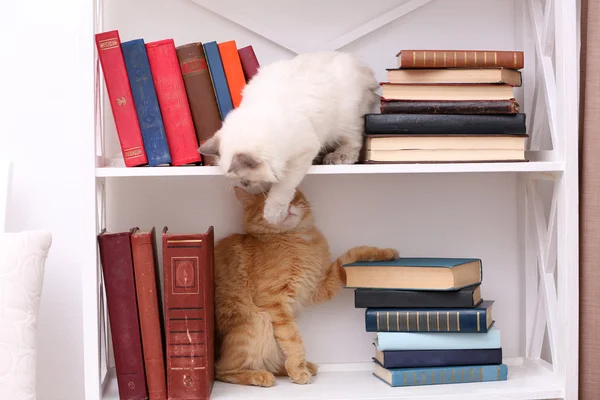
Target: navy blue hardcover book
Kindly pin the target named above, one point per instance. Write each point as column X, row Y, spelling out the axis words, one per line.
column 436, row 358
column 217, row 74
column 467, row 320
column 146, row 102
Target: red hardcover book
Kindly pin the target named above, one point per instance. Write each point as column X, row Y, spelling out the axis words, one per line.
column 188, row 262
column 143, row 248
column 249, row 62
column 108, row 45
column 117, row 268
column 173, row 102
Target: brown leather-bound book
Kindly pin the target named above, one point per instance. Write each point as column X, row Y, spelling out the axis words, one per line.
column 449, row 107
column 200, row 93
column 188, row 262
column 143, row 247
column 460, row 59
column 117, row 268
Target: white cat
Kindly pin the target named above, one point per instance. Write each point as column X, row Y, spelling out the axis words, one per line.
column 291, row 111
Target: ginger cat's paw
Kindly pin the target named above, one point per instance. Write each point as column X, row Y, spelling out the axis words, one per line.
column 298, row 372
column 264, row 379
column 389, row 254
column 312, row 367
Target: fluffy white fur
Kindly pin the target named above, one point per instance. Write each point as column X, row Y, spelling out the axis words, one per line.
column 291, row 111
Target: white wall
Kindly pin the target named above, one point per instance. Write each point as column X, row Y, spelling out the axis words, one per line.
column 41, row 113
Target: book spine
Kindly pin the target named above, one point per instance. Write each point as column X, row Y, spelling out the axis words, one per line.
column 146, row 102
column 217, row 75
column 449, row 107
column 144, row 266
column 117, row 268
column 173, row 102
column 390, row 298
column 189, row 302
column 200, row 94
column 437, row 376
column 249, row 61
column 434, row 341
column 441, row 358
column 464, row 320
column 121, row 100
column 448, row 124
column 233, row 71
column 461, row 59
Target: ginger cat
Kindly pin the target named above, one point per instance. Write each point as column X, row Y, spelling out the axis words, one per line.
column 262, row 278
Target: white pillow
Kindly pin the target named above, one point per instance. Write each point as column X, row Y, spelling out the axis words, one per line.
column 22, row 264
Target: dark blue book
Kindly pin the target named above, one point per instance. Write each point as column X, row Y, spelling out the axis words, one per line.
column 146, row 102
column 436, row 358
column 217, row 75
column 465, row 320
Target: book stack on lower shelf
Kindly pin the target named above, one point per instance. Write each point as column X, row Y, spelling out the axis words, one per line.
column 166, row 100
column 449, row 106
column 431, row 324
column 160, row 353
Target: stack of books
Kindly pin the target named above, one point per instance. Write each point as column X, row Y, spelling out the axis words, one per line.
column 431, row 324
column 167, row 100
column 448, row 106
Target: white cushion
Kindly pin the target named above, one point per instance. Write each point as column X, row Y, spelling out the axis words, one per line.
column 22, row 264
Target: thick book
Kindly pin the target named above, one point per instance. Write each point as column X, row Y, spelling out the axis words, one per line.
column 188, row 263
column 418, row 273
column 200, row 94
column 455, row 75
column 119, row 282
column 469, row 320
column 173, row 102
column 217, row 74
column 446, row 91
column 121, row 100
column 249, row 61
column 460, row 59
column 233, row 71
column 391, row 298
column 147, row 285
column 397, row 377
column 410, row 141
column 146, row 102
column 438, row 340
column 436, row 358
column 435, row 124
column 449, row 107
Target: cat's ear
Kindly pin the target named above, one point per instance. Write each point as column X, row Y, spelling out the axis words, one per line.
column 243, row 160
column 247, row 199
column 210, row 147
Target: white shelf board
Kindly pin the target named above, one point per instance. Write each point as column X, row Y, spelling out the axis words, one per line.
column 527, row 379
column 533, row 166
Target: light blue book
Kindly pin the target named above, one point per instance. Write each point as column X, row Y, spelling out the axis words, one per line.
column 441, row 375
column 438, row 340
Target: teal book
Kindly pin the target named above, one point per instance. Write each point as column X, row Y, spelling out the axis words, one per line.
column 419, row 273
column 466, row 320
column 397, row 377
column 439, row 340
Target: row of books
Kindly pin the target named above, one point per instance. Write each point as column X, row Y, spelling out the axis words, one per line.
column 166, row 101
column 163, row 342
column 431, row 324
column 449, row 106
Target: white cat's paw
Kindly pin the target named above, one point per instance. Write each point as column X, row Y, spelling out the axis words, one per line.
column 275, row 212
column 341, row 156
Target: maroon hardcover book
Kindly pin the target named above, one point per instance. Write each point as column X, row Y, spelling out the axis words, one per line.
column 117, row 267
column 249, row 62
column 188, row 262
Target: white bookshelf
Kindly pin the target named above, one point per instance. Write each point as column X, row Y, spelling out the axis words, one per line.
column 520, row 218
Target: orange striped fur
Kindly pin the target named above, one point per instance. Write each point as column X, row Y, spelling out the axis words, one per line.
column 262, row 279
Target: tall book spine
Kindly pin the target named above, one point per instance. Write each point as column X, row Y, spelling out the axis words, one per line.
column 233, row 71
column 143, row 247
column 188, row 262
column 217, row 74
column 444, row 375
column 121, row 100
column 117, row 268
column 249, row 61
column 449, row 107
column 200, row 94
column 460, row 59
column 146, row 102
column 173, row 102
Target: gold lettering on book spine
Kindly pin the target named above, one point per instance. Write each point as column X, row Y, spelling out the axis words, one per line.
column 427, row 321
column 132, row 152
column 470, row 374
column 475, row 58
column 462, row 375
column 404, row 378
column 434, row 58
column 515, row 59
column 387, row 318
column 414, row 58
column 418, row 327
column 398, row 321
column 108, row 44
column 442, row 376
column 480, row 374
column 452, row 375
column 448, row 321
column 377, row 314
column 458, row 321
column 407, row 322
column 498, row 372
column 424, row 58
column 495, row 59
column 485, row 58
column 455, row 59
column 444, row 59
column 438, row 320
column 478, row 322
column 465, row 58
